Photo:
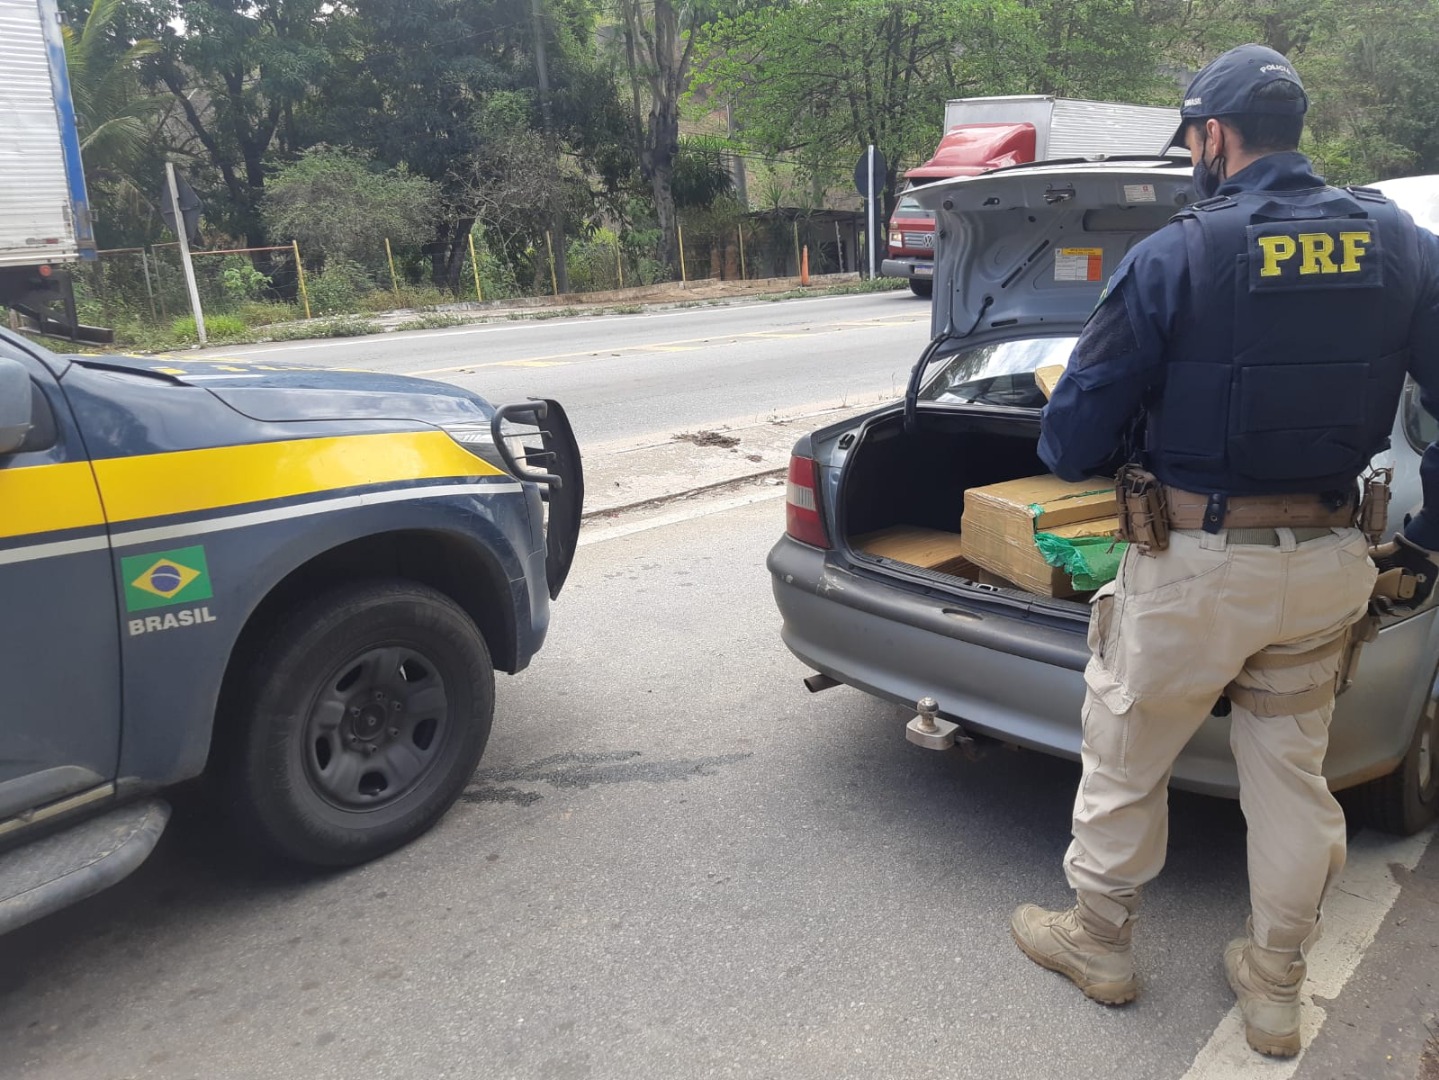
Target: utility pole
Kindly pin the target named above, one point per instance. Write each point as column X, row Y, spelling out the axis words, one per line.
column 181, row 233
column 557, row 219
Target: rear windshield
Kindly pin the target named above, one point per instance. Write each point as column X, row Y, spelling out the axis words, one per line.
column 911, row 208
column 998, row 373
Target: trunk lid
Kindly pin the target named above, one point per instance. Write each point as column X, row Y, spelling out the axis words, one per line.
column 1033, row 246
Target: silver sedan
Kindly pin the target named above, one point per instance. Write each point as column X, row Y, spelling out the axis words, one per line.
column 1023, row 256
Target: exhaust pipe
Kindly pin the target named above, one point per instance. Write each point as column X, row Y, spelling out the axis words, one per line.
column 815, row 683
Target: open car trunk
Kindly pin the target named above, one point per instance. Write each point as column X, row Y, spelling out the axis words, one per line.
column 901, row 496
column 1024, row 258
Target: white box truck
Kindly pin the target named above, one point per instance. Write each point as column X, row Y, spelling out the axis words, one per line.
column 44, row 212
column 991, row 132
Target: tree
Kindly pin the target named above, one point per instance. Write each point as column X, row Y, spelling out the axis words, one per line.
column 450, row 89
column 660, row 38
column 337, row 205
column 238, row 70
column 1367, row 65
column 825, row 78
column 115, row 118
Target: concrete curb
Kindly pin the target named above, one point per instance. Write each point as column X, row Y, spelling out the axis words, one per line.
column 635, row 476
column 660, row 500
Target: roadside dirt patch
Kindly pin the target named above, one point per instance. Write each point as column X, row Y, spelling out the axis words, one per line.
column 1429, row 1063
column 708, row 438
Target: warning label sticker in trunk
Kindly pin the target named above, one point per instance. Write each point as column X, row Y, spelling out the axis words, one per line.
column 1079, row 264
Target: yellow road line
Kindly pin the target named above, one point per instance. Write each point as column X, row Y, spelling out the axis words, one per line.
column 529, row 363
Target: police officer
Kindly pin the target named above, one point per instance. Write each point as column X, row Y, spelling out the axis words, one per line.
column 1258, row 344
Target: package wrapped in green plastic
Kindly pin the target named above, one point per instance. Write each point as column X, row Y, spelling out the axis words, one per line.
column 1090, row 561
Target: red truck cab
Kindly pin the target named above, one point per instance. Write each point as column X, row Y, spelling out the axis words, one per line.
column 964, row 151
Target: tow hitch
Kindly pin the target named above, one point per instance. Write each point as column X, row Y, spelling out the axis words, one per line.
column 929, row 731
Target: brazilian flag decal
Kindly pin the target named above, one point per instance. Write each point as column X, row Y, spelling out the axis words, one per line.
column 162, row 578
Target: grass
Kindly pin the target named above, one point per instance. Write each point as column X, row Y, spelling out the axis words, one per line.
column 844, row 288
column 547, row 313
column 434, row 320
column 220, row 329
column 419, row 297
column 338, row 326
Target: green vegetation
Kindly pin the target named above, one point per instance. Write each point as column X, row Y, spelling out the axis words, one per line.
column 219, row 330
column 426, row 123
column 434, row 320
column 340, row 327
column 342, row 209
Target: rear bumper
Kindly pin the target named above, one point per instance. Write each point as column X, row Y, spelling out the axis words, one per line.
column 1020, row 679
column 907, row 268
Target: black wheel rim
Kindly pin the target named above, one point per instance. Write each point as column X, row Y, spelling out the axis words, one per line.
column 375, row 728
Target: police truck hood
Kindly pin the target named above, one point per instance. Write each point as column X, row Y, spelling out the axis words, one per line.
column 279, row 392
column 1033, row 246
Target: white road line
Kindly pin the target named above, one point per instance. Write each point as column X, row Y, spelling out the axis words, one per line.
column 589, row 535
column 1353, row 912
column 527, row 324
column 134, row 537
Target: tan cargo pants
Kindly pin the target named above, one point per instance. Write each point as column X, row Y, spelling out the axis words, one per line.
column 1168, row 637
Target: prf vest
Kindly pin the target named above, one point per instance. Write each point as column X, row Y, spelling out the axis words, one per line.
column 1283, row 374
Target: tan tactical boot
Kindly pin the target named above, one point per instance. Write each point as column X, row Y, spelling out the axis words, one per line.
column 1093, row 954
column 1267, row 984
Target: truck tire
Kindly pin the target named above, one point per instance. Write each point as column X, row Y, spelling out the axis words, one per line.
column 1407, row 800
column 921, row 286
column 358, row 724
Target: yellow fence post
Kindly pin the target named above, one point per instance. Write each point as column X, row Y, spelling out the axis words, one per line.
column 739, row 231
column 554, row 281
column 796, row 241
column 680, row 235
column 619, row 263
column 475, row 266
column 300, row 271
column 390, row 257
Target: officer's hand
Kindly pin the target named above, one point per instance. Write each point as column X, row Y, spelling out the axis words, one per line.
column 1417, row 565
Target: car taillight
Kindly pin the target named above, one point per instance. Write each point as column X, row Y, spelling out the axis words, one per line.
column 802, row 520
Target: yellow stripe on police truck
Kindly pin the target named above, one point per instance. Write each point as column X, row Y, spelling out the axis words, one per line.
column 49, row 498
column 180, row 483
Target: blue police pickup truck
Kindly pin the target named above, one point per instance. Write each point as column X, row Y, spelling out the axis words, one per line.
column 295, row 583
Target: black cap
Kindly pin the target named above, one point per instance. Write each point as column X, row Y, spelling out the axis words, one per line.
column 1228, row 84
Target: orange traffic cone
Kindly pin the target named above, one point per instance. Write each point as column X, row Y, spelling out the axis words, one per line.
column 804, row 266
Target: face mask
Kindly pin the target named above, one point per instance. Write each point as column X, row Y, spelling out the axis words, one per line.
column 1208, row 175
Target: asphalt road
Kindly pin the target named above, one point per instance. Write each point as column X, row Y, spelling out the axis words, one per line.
column 674, row 862
column 627, row 376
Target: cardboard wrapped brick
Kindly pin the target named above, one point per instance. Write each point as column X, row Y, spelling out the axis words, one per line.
column 1047, row 377
column 1000, row 521
column 915, row 545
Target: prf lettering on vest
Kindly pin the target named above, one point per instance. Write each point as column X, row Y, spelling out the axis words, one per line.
column 1316, row 251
